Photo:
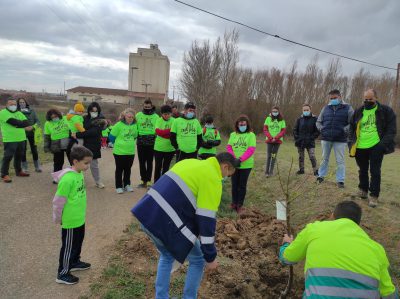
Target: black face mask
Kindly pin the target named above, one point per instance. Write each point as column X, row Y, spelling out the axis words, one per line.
column 147, row 111
column 368, row 104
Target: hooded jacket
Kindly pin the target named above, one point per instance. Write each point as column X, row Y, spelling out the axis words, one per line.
column 305, row 131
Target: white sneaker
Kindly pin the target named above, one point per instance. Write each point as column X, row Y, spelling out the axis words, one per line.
column 100, row 185
column 120, row 190
column 128, row 188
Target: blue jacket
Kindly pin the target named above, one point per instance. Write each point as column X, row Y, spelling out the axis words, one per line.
column 169, row 211
column 334, row 122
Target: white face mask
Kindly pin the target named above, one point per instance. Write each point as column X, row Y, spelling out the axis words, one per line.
column 12, row 108
column 94, row 114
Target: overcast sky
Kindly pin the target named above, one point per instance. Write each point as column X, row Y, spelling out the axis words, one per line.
column 87, row 42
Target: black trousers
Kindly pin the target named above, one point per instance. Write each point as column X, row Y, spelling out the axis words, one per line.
column 145, row 155
column 123, row 165
column 58, row 160
column 31, row 140
column 272, row 152
column 70, row 253
column 183, row 156
column 162, row 163
column 12, row 150
column 206, row 156
column 370, row 158
column 239, row 185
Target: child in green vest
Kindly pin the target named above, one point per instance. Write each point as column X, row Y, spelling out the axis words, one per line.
column 274, row 130
column 211, row 139
column 56, row 137
column 163, row 149
column 69, row 210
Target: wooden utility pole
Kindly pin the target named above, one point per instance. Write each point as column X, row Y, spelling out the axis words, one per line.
column 396, row 89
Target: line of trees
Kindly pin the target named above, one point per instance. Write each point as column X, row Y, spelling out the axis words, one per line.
column 214, row 81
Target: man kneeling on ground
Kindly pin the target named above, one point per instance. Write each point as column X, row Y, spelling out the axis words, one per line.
column 342, row 261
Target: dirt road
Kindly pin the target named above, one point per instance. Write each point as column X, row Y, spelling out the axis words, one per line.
column 30, row 242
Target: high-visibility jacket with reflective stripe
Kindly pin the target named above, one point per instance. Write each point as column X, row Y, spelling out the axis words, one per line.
column 342, row 261
column 181, row 207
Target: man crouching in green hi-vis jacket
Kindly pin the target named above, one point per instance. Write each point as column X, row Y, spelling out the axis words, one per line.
column 342, row 261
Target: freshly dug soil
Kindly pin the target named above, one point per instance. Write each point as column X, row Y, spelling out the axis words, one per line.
column 247, row 254
column 249, row 266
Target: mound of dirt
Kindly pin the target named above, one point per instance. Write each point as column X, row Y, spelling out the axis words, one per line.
column 247, row 253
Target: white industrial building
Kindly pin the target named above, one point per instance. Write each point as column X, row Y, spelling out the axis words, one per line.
column 148, row 77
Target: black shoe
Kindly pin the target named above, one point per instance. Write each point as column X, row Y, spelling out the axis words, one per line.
column 67, row 279
column 340, row 185
column 300, row 172
column 80, row 266
column 316, row 172
column 320, row 179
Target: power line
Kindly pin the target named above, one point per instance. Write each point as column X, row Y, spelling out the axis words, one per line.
column 282, row 38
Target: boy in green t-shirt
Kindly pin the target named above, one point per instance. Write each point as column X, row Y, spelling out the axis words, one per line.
column 69, row 210
column 211, row 139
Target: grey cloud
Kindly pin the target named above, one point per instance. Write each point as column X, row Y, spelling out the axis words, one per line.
column 112, row 29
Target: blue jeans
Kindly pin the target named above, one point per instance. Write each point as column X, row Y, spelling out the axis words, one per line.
column 165, row 261
column 339, row 149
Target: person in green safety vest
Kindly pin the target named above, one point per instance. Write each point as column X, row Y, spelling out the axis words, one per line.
column 13, row 124
column 211, row 139
column 274, row 130
column 341, row 260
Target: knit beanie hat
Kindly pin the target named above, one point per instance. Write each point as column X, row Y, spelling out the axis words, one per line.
column 79, row 107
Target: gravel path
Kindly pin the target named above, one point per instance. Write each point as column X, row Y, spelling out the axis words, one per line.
column 30, row 242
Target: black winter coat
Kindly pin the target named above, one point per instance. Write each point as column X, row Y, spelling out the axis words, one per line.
column 305, row 131
column 93, row 133
column 385, row 124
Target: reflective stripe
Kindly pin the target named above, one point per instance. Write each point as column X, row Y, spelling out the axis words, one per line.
column 172, row 214
column 188, row 234
column 166, row 207
column 207, row 240
column 340, row 273
column 206, row 213
column 185, row 189
column 342, row 292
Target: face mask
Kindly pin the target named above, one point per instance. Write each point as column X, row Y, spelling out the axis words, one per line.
column 12, row 108
column 275, row 113
column 334, row 102
column 368, row 104
column 242, row 129
column 190, row 115
column 209, row 126
column 306, row 113
column 56, row 119
column 147, row 110
column 94, row 114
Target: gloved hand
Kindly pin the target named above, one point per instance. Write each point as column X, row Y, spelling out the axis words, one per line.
column 237, row 163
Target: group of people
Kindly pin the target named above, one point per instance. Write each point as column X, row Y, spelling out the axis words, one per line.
column 179, row 211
